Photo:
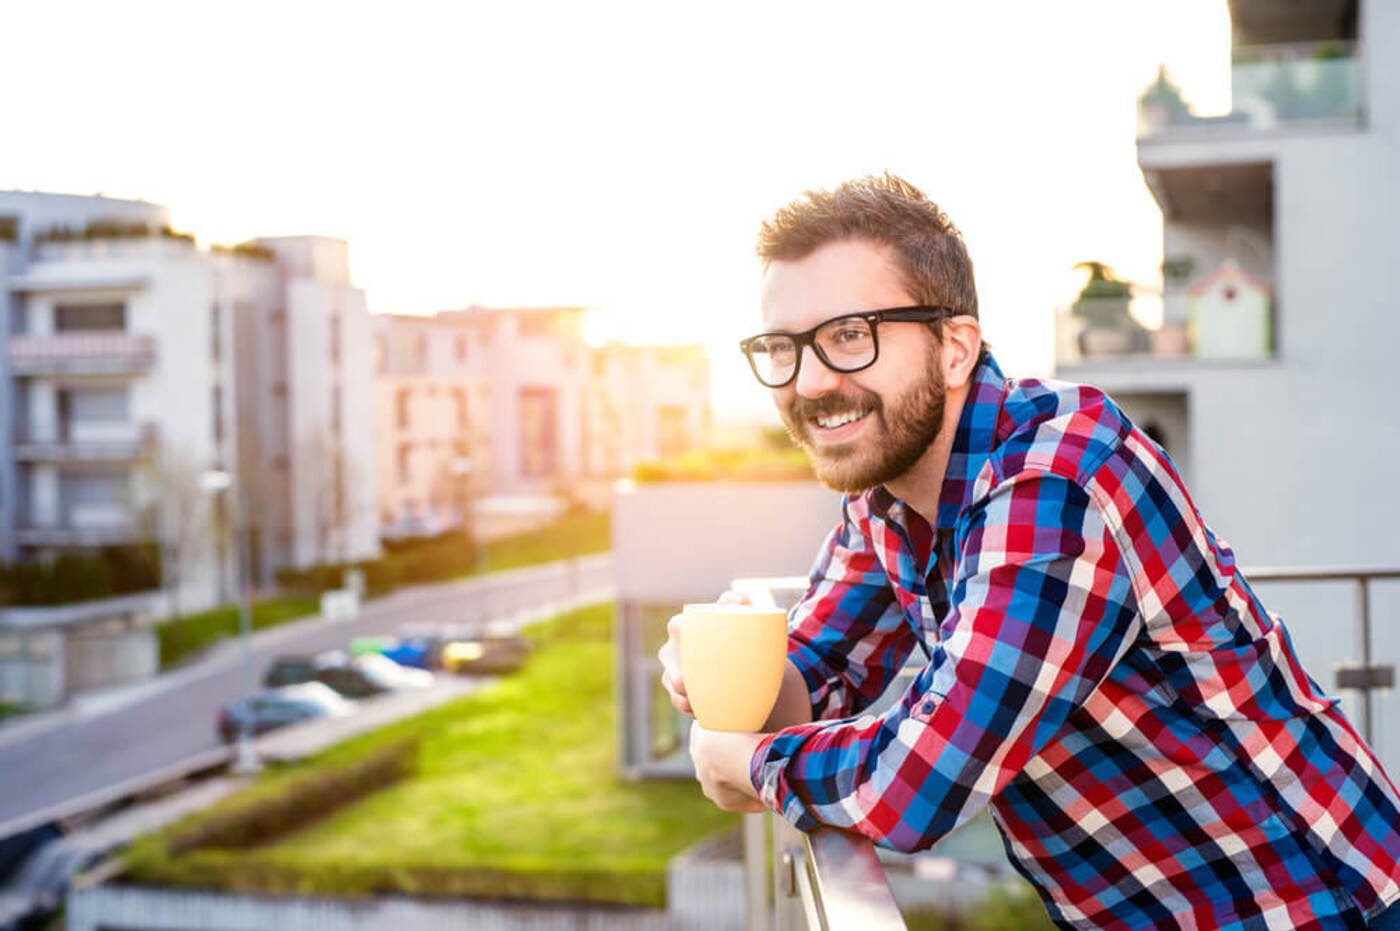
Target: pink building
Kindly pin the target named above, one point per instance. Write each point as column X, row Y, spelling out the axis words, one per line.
column 497, row 414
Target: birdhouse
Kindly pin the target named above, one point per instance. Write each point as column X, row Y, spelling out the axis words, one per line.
column 1229, row 315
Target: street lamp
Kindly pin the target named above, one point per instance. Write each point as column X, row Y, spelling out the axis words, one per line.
column 460, row 468
column 217, row 481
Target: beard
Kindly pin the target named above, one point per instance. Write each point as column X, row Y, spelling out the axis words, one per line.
column 907, row 428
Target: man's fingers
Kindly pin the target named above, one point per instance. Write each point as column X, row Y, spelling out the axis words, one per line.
column 732, row 597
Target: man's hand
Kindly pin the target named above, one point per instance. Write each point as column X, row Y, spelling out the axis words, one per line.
column 670, row 656
column 722, row 767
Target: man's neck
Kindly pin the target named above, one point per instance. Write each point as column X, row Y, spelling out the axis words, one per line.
column 921, row 486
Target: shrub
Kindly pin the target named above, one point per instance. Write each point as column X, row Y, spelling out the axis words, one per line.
column 80, row 576
column 260, row 819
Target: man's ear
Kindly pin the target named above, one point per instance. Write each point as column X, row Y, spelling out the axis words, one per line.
column 962, row 346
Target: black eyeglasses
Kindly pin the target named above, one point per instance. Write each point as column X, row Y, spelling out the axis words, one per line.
column 845, row 344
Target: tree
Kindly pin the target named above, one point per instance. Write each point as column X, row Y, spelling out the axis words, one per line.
column 178, row 516
column 336, row 505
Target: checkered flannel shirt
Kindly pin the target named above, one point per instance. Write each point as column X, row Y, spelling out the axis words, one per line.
column 1099, row 673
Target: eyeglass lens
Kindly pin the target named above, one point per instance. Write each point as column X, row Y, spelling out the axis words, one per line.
column 846, row 345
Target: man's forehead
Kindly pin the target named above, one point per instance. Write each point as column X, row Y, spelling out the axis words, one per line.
column 845, row 276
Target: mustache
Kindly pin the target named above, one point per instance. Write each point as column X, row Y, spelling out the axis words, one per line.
column 804, row 409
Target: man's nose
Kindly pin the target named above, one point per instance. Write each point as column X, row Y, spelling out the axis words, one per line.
column 814, row 379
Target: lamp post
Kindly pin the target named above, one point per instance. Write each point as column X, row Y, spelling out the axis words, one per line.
column 460, row 467
column 217, row 481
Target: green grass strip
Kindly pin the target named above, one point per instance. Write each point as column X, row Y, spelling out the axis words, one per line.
column 516, row 795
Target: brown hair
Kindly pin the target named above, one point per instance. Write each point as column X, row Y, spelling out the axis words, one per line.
column 885, row 209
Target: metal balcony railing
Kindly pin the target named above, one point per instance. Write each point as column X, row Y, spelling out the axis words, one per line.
column 86, row 441
column 832, row 880
column 79, row 352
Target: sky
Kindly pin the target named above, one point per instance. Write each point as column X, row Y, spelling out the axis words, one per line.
column 617, row 155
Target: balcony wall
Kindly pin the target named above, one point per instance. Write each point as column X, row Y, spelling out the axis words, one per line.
column 81, row 353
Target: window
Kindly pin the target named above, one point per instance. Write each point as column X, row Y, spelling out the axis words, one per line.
column 459, row 399
column 672, row 437
column 538, row 433
column 401, row 408
column 335, row 409
column 215, row 333
column 381, row 355
column 334, row 337
column 218, row 414
column 79, row 317
column 461, row 349
column 405, row 463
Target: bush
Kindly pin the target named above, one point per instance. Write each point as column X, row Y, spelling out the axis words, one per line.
column 80, row 576
column 260, row 819
column 185, row 636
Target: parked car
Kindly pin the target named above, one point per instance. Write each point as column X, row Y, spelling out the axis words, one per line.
column 279, row 707
column 290, row 670
column 491, row 655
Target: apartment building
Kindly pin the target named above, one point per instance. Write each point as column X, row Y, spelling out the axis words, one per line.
column 132, row 363
column 488, row 415
column 1268, row 380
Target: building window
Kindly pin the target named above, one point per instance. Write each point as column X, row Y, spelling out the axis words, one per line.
column 335, row 409
column 461, row 349
column 69, row 318
column 459, row 399
column 673, row 438
column 381, row 355
column 405, row 463
column 401, row 408
column 538, row 433
column 216, row 347
column 334, row 337
column 218, row 403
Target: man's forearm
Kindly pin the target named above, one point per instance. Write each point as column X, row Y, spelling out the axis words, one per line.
column 794, row 704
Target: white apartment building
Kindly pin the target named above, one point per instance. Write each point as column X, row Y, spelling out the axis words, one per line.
column 1269, row 381
column 132, row 362
column 500, row 411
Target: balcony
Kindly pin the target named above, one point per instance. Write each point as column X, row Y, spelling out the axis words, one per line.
column 1271, row 87
column 86, row 527
column 82, row 353
column 86, row 441
column 1224, row 317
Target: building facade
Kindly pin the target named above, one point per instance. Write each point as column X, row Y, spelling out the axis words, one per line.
column 135, row 362
column 495, row 416
column 1268, row 381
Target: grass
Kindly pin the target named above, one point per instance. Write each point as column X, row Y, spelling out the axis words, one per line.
column 185, row 636
column 576, row 534
column 517, row 795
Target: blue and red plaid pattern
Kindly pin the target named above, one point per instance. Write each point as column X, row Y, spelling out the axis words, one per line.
column 1099, row 673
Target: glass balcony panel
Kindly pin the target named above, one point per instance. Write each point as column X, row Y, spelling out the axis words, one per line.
column 1271, row 86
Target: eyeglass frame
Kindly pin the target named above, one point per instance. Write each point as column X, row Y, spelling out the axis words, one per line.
column 913, row 313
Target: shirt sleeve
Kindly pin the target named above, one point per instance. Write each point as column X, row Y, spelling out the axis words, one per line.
column 847, row 636
column 1042, row 608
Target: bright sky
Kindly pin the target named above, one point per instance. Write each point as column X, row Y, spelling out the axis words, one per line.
column 614, row 154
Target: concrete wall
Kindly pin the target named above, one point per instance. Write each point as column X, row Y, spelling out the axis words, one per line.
column 678, row 542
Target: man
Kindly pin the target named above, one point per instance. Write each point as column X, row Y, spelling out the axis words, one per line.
column 1098, row 670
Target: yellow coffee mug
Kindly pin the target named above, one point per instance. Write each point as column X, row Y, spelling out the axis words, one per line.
column 732, row 659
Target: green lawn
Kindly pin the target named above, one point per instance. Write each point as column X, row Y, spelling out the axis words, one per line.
column 516, row 795
column 571, row 535
column 188, row 635
column 576, row 534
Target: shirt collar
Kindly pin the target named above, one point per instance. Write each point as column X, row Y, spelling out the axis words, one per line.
column 972, row 445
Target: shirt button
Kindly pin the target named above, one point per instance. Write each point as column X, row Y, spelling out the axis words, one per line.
column 928, row 707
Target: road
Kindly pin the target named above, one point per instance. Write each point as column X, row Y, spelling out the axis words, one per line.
column 99, row 744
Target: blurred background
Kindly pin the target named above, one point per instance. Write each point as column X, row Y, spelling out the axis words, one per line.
column 370, row 396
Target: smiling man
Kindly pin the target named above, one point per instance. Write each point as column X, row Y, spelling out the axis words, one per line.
column 1099, row 672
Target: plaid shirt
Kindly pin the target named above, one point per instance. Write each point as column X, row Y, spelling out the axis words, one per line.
column 1099, row 673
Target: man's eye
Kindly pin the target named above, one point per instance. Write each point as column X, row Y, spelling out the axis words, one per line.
column 848, row 335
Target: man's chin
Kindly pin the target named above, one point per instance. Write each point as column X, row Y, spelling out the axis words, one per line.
column 839, row 473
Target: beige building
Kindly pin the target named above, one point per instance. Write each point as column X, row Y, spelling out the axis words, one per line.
column 497, row 415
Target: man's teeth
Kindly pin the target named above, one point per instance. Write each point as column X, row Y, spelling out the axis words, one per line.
column 838, row 420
